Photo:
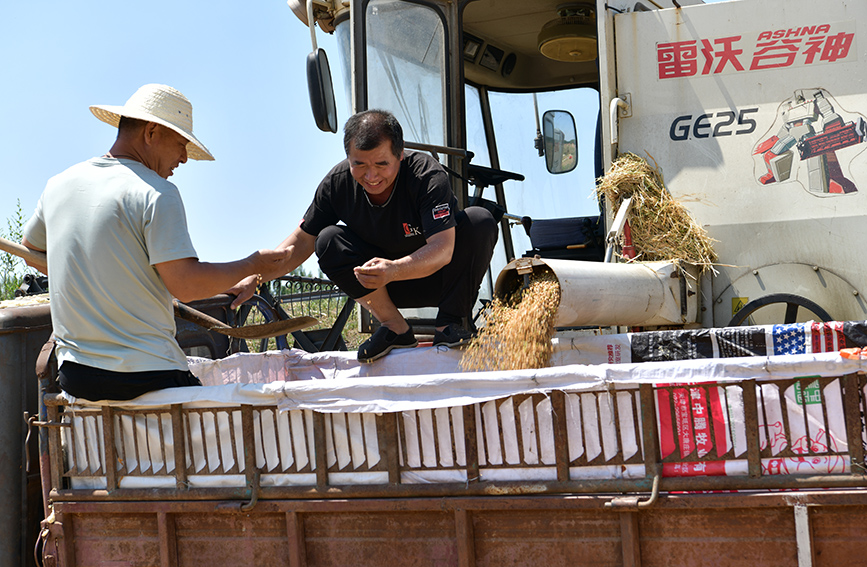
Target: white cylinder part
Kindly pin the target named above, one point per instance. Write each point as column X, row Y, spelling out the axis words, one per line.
column 605, row 294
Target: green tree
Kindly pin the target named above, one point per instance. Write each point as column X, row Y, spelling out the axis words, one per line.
column 12, row 268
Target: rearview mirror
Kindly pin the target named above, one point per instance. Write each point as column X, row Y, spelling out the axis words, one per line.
column 321, row 91
column 561, row 141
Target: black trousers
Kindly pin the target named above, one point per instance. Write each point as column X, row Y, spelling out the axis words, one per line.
column 96, row 384
column 453, row 288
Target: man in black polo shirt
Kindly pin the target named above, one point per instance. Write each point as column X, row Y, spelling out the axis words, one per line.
column 402, row 242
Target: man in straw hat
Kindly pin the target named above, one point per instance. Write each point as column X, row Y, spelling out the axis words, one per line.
column 387, row 230
column 118, row 250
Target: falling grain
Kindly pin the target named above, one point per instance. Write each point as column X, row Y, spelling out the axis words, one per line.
column 518, row 331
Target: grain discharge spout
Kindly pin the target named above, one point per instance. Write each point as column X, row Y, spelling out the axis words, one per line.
column 605, row 294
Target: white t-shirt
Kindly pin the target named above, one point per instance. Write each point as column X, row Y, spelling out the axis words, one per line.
column 104, row 224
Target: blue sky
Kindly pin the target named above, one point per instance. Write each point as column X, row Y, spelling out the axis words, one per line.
column 242, row 64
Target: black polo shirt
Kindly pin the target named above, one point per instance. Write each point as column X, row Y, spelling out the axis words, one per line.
column 421, row 205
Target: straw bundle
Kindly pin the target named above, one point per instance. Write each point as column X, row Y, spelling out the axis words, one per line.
column 662, row 229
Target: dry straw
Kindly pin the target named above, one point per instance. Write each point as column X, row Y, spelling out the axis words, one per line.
column 661, row 227
column 519, row 329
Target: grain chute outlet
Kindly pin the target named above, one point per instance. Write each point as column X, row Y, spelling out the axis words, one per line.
column 594, row 294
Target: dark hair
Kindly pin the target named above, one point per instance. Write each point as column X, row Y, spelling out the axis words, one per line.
column 129, row 125
column 368, row 129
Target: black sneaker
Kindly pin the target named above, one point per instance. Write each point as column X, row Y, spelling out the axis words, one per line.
column 382, row 341
column 452, row 336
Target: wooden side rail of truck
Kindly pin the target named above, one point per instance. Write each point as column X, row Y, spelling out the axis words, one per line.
column 609, row 477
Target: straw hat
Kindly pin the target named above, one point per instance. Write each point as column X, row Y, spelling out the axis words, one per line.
column 161, row 104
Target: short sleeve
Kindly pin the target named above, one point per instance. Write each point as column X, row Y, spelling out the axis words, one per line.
column 34, row 228
column 320, row 213
column 438, row 204
column 166, row 234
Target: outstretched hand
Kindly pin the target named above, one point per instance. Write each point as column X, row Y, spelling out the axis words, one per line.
column 272, row 263
column 268, row 264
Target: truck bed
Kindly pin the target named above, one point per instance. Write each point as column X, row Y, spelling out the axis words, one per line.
column 754, row 460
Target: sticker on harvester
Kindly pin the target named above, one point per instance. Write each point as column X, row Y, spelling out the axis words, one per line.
column 441, row 211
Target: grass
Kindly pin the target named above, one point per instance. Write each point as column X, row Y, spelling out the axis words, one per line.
column 302, row 295
column 12, row 268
